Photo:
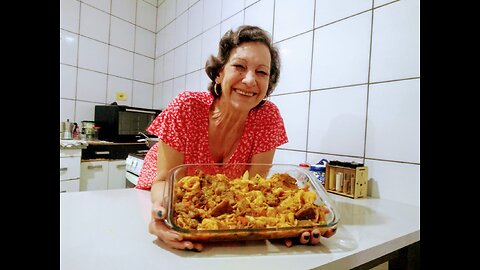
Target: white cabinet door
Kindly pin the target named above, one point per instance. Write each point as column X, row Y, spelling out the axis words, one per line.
column 94, row 175
column 70, row 185
column 69, row 168
column 116, row 174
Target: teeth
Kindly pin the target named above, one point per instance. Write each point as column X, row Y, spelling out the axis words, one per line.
column 245, row 93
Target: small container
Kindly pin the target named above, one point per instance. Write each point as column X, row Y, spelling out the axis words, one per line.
column 193, row 180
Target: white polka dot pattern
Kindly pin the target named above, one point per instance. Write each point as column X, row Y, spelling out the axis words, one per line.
column 183, row 125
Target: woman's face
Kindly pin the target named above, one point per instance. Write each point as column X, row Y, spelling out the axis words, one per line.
column 246, row 75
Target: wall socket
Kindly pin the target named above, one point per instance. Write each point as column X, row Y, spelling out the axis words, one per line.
column 121, row 96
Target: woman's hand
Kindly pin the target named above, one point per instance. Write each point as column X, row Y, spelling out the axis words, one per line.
column 312, row 237
column 169, row 237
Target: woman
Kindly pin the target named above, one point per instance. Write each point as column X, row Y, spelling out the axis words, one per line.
column 232, row 123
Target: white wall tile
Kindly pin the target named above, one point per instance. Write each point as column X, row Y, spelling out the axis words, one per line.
column 327, row 11
column 143, row 68
column 103, row 5
column 394, row 181
column 158, row 70
column 181, row 29
column 146, row 16
column 295, row 60
column 120, row 63
column 288, row 157
column 116, row 84
column 160, row 38
column 157, row 96
column 393, row 126
column 160, row 17
column 383, row 2
column 261, row 14
column 122, row 34
column 250, row 2
column 85, row 111
column 193, row 82
column 167, row 93
column 94, row 23
column 230, row 7
column 192, row 2
column 194, row 54
column 68, row 48
column 232, row 22
column 337, row 121
column 152, row 2
column 168, row 63
column 195, row 19
column 178, row 85
column 210, row 41
column 67, row 110
column 145, row 42
column 170, row 7
column 294, row 111
column 341, row 53
column 169, row 34
column 91, row 86
column 125, row 9
column 292, row 19
column 182, row 6
column 142, row 95
column 211, row 13
column 70, row 15
column 180, row 60
column 92, row 54
column 68, row 81
column 396, row 41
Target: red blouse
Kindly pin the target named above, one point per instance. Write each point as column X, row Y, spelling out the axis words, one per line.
column 183, row 125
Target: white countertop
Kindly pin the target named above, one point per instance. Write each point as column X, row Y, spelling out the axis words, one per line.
column 109, row 230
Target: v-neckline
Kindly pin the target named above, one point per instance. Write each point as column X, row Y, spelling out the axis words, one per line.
column 236, row 147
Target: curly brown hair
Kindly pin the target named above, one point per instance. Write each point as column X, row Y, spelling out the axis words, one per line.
column 232, row 39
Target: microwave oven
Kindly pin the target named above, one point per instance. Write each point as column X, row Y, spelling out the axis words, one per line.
column 121, row 123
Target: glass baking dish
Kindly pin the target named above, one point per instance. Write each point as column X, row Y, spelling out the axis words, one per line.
column 224, row 202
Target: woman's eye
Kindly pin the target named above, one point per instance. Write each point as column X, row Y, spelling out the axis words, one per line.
column 239, row 67
column 262, row 73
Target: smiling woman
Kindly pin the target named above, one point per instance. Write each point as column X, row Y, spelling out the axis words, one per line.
column 232, row 123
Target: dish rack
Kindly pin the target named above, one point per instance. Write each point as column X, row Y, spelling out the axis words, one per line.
column 347, row 179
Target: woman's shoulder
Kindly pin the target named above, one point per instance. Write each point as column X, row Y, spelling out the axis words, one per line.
column 268, row 108
column 195, row 97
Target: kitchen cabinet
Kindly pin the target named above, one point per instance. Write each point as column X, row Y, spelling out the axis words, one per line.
column 70, row 169
column 102, row 174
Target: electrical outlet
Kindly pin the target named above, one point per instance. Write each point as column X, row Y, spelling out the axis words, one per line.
column 121, row 96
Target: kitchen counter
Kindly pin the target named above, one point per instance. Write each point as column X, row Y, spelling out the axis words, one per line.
column 109, row 230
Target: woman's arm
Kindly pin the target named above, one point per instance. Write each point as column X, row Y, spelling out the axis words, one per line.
column 261, row 158
column 167, row 158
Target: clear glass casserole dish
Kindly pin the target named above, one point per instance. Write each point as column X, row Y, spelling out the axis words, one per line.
column 217, row 202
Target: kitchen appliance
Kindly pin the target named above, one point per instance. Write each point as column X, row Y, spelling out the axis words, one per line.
column 66, row 129
column 133, row 165
column 121, row 123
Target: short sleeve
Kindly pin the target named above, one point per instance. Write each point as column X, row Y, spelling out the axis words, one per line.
column 169, row 125
column 271, row 131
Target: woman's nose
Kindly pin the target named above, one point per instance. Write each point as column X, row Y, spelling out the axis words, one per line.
column 249, row 78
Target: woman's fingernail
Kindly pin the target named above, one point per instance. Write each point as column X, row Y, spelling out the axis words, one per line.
column 159, row 213
column 316, row 235
column 306, row 237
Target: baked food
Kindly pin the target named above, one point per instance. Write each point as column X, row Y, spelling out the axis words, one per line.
column 215, row 202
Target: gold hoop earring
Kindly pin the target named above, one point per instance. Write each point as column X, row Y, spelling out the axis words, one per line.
column 215, row 89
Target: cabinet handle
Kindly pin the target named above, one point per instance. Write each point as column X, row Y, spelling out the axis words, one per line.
column 102, row 152
column 94, row 166
column 63, row 169
column 121, row 165
column 63, row 191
